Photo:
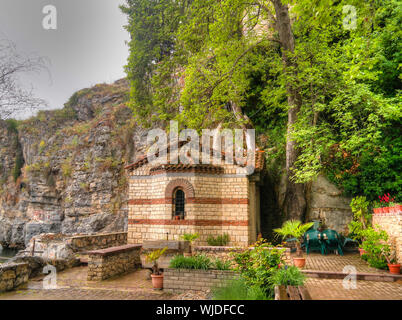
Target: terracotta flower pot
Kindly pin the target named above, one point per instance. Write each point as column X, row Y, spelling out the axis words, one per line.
column 398, row 208
column 157, row 281
column 375, row 210
column 299, row 262
column 394, row 268
column 362, row 251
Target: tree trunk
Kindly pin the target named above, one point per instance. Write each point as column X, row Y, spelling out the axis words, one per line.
column 294, row 205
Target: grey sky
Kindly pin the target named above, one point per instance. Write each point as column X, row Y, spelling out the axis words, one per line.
column 87, row 48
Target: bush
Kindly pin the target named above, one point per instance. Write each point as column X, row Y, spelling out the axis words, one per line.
column 258, row 265
column 361, row 218
column 222, row 265
column 221, row 240
column 288, row 276
column 375, row 245
column 199, row 261
column 239, row 290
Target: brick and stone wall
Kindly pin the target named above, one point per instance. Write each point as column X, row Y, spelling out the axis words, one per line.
column 106, row 263
column 216, row 203
column 391, row 222
column 98, row 241
column 13, row 275
column 181, row 280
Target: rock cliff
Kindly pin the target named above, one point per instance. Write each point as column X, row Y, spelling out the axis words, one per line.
column 63, row 170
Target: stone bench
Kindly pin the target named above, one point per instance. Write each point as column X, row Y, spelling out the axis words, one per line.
column 106, row 263
column 291, row 293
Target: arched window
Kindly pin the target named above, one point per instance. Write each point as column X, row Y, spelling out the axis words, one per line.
column 179, row 201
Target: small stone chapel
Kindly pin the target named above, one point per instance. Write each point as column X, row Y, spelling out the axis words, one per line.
column 168, row 200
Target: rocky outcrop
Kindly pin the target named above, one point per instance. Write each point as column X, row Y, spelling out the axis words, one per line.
column 325, row 202
column 70, row 177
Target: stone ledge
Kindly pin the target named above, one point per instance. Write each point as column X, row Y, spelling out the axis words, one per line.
column 179, row 280
column 98, row 235
column 114, row 250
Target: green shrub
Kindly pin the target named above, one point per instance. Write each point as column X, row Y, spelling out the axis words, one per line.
column 221, row 240
column 288, row 276
column 19, row 163
column 239, row 290
column 198, row 261
column 222, row 265
column 258, row 265
column 375, row 245
column 379, row 169
column 361, row 218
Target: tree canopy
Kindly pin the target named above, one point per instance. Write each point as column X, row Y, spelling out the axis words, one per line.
column 208, row 62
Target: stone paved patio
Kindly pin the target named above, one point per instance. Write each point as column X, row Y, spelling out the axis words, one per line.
column 328, row 289
column 332, row 289
column 333, row 262
column 72, row 285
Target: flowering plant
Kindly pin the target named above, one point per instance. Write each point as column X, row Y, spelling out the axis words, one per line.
column 385, row 201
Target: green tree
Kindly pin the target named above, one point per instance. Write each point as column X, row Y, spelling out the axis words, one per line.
column 325, row 97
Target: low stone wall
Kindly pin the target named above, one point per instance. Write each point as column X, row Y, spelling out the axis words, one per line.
column 392, row 223
column 224, row 253
column 98, row 241
column 13, row 275
column 106, row 263
column 180, row 280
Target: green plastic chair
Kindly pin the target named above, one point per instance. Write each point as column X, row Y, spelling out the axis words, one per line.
column 313, row 241
column 332, row 241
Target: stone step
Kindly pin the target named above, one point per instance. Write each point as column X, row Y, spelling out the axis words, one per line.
column 387, row 277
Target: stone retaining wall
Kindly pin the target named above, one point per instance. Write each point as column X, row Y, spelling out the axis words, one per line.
column 98, row 241
column 180, row 280
column 106, row 263
column 392, row 223
column 12, row 275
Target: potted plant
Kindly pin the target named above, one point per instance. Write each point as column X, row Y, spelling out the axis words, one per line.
column 394, row 268
column 157, row 275
column 386, row 204
column 294, row 228
column 190, row 237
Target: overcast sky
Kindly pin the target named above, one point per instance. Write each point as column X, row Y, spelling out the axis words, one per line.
column 88, row 46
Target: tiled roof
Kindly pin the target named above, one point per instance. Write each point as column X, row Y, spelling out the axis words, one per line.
column 143, row 160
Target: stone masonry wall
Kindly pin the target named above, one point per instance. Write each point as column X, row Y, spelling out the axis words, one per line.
column 13, row 275
column 106, row 263
column 180, row 280
column 98, row 241
column 392, row 224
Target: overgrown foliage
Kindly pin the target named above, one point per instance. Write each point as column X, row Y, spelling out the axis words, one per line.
column 257, row 266
column 239, row 290
column 205, row 62
column 361, row 218
column 220, row 240
column 198, row 261
column 376, row 246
